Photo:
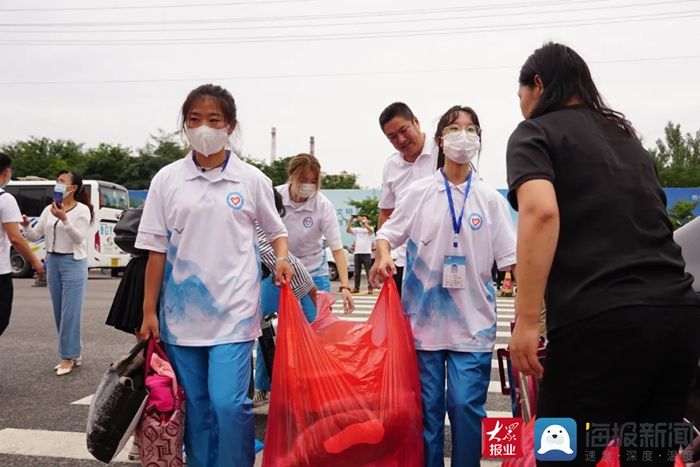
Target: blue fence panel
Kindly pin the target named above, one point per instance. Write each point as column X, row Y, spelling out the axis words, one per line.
column 340, row 199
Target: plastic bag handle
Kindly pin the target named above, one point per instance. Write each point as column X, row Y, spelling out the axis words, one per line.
column 153, row 347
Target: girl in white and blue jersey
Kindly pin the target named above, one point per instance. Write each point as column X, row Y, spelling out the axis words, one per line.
column 310, row 217
column 456, row 227
column 202, row 284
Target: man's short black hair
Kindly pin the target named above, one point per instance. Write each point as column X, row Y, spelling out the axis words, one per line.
column 5, row 161
column 397, row 109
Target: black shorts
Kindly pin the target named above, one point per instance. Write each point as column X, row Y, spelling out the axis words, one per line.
column 633, row 364
column 6, row 293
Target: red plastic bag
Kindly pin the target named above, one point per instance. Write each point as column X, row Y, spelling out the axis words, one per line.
column 344, row 393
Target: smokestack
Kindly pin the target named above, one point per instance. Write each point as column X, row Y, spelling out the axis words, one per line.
column 312, row 145
column 273, row 145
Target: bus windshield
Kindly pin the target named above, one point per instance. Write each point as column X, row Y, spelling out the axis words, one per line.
column 114, row 197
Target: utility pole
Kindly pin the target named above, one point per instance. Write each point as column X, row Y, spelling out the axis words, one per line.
column 273, row 145
column 312, row 145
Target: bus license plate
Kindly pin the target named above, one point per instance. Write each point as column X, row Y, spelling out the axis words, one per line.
column 115, row 262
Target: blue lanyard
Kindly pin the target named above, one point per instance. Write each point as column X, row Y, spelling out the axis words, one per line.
column 456, row 223
column 223, row 167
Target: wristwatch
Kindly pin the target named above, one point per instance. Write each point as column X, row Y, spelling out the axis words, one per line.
column 344, row 287
column 282, row 259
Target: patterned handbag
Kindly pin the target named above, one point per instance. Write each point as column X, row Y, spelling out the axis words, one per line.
column 161, row 433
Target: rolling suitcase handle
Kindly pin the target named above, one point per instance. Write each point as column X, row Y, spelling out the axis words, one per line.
column 503, row 354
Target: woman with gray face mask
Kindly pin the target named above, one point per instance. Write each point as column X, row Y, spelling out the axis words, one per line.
column 310, row 217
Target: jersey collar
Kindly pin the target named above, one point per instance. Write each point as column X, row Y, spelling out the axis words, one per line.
column 229, row 172
column 437, row 178
column 427, row 151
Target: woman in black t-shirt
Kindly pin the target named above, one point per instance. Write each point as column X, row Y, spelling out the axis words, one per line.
column 594, row 239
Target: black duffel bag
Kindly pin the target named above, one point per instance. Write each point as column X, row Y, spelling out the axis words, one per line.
column 126, row 230
column 116, row 407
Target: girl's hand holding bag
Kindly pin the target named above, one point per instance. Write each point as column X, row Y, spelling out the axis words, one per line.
column 163, row 420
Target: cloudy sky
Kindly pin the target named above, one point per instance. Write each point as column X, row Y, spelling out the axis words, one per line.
column 115, row 72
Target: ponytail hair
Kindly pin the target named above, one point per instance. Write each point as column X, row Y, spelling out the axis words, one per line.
column 80, row 195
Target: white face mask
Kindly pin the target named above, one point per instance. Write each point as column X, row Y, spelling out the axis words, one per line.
column 60, row 188
column 307, row 190
column 461, row 147
column 206, row 140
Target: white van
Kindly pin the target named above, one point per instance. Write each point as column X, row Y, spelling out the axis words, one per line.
column 108, row 200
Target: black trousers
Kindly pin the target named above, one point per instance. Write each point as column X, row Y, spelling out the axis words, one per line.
column 6, row 294
column 398, row 278
column 362, row 260
column 633, row 364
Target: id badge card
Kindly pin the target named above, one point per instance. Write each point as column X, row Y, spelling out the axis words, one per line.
column 454, row 272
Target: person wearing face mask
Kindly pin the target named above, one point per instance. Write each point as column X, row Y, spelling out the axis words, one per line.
column 416, row 157
column 10, row 235
column 64, row 224
column 448, row 293
column 309, row 217
column 202, row 286
column 303, row 289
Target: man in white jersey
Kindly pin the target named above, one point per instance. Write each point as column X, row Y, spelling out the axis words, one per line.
column 416, row 158
column 364, row 237
column 10, row 219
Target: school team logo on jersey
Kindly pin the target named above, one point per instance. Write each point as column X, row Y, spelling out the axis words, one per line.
column 235, row 200
column 475, row 221
column 308, row 222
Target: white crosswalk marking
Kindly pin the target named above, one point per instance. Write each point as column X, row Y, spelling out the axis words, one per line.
column 44, row 443
column 364, row 304
column 71, row 445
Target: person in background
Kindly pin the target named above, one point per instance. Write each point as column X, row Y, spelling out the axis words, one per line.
column 10, row 236
column 594, row 239
column 416, row 157
column 303, row 288
column 64, row 224
column 448, row 292
column 203, row 275
column 310, row 217
column 364, row 238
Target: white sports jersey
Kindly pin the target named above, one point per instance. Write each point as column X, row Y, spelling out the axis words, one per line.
column 9, row 212
column 308, row 223
column 464, row 319
column 363, row 240
column 211, row 283
column 399, row 174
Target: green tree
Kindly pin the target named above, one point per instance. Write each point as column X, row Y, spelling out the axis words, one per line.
column 677, row 157
column 107, row 162
column 368, row 207
column 343, row 180
column 276, row 171
column 681, row 213
column 159, row 151
column 44, row 157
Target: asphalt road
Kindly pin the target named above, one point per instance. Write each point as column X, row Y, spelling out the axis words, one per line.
column 35, row 404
